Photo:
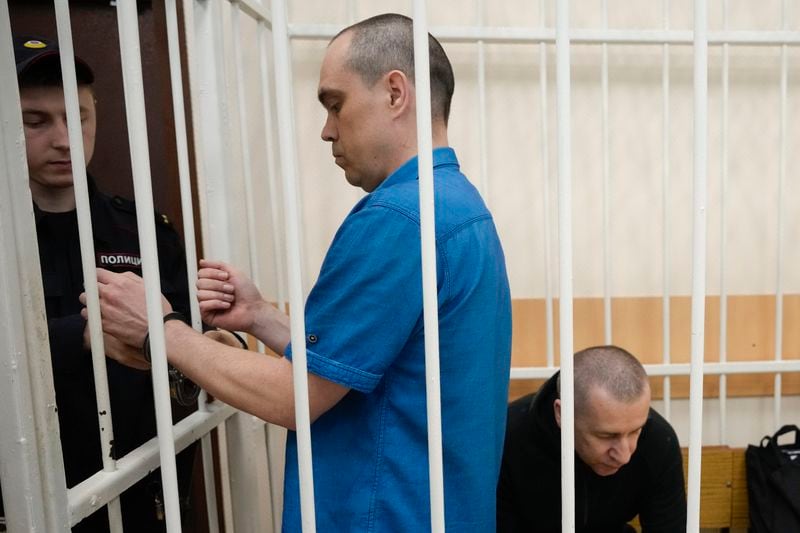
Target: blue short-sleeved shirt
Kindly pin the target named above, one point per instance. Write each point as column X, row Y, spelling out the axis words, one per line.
column 365, row 331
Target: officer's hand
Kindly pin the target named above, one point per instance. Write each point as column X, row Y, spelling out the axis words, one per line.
column 122, row 306
column 228, row 299
column 117, row 350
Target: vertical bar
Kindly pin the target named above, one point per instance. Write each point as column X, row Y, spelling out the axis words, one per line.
column 206, row 448
column 273, row 434
column 182, row 148
column 272, row 172
column 128, row 22
column 246, row 442
column 779, row 252
column 545, row 133
column 31, row 463
column 225, row 477
column 565, row 260
column 428, row 243
column 206, row 73
column 70, row 85
column 606, row 191
column 244, row 136
column 274, row 443
column 698, row 260
column 483, row 154
column 187, row 212
column 723, row 237
column 665, row 187
column 283, row 92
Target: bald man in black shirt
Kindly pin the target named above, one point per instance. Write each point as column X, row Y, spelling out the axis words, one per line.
column 627, row 457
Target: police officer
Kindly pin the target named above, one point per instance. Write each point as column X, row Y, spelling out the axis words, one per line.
column 116, row 249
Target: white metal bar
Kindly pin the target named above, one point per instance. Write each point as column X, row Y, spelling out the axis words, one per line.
column 225, row 478
column 723, row 236
column 522, row 35
column 187, row 212
column 207, row 451
column 94, row 492
column 274, row 459
column 128, row 22
column 428, row 243
column 666, row 329
column 206, row 61
column 698, row 261
column 247, row 451
column 283, row 93
column 565, row 261
column 182, row 148
column 31, row 464
column 86, row 239
column 482, row 122
column 214, row 116
column 779, row 252
column 206, row 445
column 679, row 369
column 607, row 324
column 272, row 158
column 545, row 134
column 247, row 163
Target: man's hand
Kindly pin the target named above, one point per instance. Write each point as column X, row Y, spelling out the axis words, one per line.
column 122, row 306
column 118, row 350
column 228, row 299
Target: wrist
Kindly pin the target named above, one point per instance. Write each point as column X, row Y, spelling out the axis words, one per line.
column 169, row 317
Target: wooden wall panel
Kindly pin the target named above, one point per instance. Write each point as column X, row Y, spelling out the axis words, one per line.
column 637, row 328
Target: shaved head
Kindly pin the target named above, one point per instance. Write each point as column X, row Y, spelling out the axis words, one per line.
column 384, row 43
column 610, row 369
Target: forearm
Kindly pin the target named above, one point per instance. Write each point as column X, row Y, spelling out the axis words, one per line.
column 252, row 382
column 271, row 326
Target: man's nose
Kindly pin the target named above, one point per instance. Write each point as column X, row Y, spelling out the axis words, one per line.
column 623, row 450
column 328, row 133
column 60, row 135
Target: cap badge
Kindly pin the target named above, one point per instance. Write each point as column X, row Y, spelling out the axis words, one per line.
column 34, row 44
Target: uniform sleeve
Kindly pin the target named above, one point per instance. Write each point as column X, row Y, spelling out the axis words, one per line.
column 172, row 263
column 367, row 300
column 664, row 511
column 66, row 342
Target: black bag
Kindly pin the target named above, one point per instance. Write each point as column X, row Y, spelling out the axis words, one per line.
column 773, row 483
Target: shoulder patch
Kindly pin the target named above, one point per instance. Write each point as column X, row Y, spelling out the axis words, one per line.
column 129, row 206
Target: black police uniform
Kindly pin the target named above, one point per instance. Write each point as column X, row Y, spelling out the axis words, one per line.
column 116, row 249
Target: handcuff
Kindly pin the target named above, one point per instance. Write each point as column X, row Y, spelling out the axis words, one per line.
column 182, row 389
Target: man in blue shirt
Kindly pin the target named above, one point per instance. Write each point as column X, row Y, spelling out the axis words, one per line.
column 364, row 323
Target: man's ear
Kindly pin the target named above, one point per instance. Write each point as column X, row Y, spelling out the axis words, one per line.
column 399, row 90
column 557, row 411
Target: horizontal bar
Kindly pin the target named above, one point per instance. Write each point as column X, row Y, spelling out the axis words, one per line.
column 508, row 35
column 254, row 10
column 88, row 496
column 679, row 369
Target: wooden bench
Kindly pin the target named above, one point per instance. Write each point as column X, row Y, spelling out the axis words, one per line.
column 723, row 489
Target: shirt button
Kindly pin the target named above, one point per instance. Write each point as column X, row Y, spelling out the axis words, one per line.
column 312, row 339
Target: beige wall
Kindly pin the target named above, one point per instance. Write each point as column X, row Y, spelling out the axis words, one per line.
column 515, row 157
